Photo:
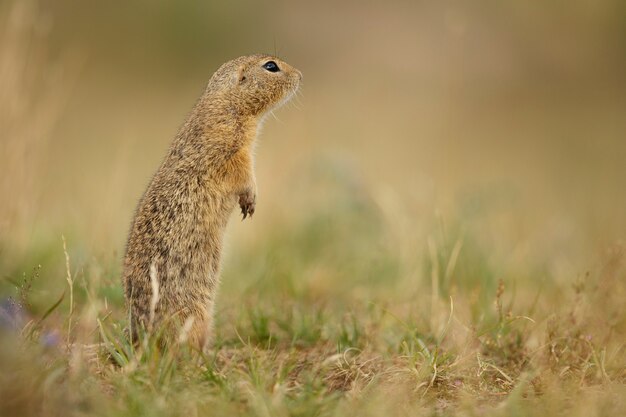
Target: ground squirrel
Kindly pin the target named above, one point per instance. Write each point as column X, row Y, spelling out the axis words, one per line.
column 176, row 235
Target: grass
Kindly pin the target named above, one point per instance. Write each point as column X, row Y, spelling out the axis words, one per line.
column 324, row 318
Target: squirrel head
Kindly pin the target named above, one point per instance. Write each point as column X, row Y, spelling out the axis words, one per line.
column 253, row 85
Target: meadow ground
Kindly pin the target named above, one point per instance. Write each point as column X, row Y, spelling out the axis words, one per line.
column 339, row 314
column 442, row 234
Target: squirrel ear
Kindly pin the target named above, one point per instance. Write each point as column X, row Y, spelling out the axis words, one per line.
column 241, row 76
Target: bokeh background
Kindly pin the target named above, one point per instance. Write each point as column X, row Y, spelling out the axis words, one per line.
column 497, row 123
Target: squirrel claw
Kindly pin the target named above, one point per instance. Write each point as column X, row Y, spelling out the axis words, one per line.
column 247, row 204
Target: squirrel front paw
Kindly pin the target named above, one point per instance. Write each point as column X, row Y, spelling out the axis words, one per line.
column 247, row 202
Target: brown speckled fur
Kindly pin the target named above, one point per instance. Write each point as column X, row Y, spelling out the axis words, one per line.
column 180, row 220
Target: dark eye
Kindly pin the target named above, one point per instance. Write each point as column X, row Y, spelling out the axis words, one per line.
column 271, row 66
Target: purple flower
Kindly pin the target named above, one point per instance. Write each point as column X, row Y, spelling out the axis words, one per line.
column 12, row 315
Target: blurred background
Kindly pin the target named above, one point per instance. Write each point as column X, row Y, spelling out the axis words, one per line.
column 499, row 123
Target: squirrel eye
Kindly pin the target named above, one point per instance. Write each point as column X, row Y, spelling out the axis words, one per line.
column 271, row 66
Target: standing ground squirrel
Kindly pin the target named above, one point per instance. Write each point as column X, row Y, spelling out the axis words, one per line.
column 172, row 262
